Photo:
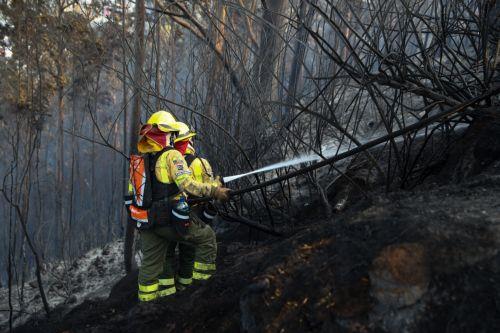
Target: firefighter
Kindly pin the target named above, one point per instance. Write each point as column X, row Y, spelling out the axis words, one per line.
column 201, row 171
column 171, row 178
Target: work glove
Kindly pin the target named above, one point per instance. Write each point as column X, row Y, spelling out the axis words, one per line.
column 218, row 180
column 221, row 194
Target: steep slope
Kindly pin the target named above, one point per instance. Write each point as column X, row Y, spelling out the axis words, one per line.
column 426, row 260
column 67, row 284
column 408, row 261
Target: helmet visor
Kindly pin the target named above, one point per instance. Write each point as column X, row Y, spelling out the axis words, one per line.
column 167, row 128
column 185, row 136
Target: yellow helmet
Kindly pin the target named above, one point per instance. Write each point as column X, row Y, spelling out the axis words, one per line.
column 184, row 132
column 165, row 121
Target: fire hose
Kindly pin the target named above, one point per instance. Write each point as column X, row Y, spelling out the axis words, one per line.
column 409, row 129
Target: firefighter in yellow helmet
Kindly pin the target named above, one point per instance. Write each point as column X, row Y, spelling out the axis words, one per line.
column 201, row 171
column 170, row 178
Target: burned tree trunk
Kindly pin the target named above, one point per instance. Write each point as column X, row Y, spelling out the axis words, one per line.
column 136, row 116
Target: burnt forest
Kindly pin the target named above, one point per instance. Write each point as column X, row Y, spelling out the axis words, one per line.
column 250, row 166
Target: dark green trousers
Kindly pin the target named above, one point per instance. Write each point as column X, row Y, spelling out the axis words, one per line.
column 154, row 244
column 186, row 262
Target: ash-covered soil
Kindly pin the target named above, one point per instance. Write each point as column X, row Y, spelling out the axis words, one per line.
column 66, row 284
column 421, row 261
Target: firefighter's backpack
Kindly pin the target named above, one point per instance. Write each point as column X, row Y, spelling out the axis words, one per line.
column 141, row 194
column 144, row 211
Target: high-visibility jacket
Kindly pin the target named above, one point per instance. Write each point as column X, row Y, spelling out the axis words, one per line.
column 171, row 167
column 201, row 170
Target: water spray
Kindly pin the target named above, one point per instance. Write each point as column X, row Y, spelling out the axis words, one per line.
column 328, row 153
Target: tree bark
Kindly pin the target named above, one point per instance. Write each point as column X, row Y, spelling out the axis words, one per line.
column 158, row 20
column 269, row 44
column 140, row 12
column 306, row 17
column 124, row 110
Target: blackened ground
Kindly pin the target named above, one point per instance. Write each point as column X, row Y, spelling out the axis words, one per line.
column 425, row 260
column 419, row 261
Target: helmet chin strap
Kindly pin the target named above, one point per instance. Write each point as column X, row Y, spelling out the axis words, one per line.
column 190, row 146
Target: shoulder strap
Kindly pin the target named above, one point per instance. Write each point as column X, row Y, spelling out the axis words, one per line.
column 160, row 190
column 190, row 158
column 204, row 166
column 155, row 156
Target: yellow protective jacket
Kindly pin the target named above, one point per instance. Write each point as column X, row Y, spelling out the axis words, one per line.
column 201, row 170
column 171, row 167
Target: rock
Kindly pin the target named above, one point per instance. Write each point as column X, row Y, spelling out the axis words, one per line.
column 399, row 279
column 399, row 275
